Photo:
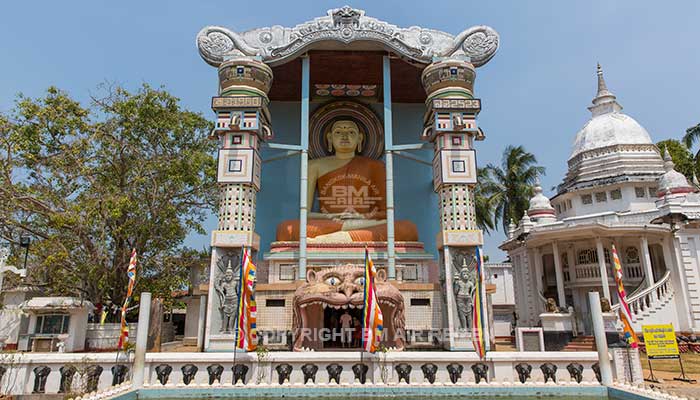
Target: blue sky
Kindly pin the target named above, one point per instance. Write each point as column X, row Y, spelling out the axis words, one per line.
column 535, row 90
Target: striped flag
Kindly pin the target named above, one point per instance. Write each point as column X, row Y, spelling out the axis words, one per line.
column 373, row 320
column 246, row 335
column 131, row 273
column 478, row 311
column 625, row 314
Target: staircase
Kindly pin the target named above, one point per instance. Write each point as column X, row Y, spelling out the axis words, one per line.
column 653, row 305
column 580, row 343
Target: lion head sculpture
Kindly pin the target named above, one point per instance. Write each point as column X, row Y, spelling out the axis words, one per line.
column 342, row 288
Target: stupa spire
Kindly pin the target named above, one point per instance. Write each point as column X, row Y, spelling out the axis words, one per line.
column 602, row 87
column 668, row 161
column 604, row 101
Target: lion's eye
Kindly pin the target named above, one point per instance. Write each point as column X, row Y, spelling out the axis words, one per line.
column 333, row 281
column 360, row 281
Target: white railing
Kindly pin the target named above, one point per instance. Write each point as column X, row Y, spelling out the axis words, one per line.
column 592, row 271
column 649, row 297
column 587, row 271
column 40, row 373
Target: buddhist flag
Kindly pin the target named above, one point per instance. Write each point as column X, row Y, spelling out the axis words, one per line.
column 625, row 314
column 373, row 320
column 478, row 311
column 246, row 335
column 131, row 274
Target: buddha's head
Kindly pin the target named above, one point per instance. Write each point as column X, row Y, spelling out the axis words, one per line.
column 344, row 137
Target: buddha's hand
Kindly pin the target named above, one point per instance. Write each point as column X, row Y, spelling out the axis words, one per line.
column 350, row 215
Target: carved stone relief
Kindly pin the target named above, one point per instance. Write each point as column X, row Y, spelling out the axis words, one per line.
column 226, row 287
column 277, row 44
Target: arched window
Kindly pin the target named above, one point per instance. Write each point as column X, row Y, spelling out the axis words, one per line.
column 587, row 256
column 631, row 255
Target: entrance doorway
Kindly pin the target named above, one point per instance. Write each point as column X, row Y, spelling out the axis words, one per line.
column 332, row 322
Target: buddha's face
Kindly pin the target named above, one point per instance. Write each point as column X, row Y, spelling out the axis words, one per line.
column 345, row 137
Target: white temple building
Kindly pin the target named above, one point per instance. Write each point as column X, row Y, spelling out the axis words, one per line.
column 619, row 190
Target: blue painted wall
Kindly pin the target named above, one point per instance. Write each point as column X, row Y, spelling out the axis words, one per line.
column 414, row 198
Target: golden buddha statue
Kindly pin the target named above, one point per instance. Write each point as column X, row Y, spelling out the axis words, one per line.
column 351, row 192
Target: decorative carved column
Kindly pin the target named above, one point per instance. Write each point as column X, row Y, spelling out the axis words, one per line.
column 450, row 124
column 243, row 123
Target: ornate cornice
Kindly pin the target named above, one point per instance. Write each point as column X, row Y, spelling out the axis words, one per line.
column 277, row 44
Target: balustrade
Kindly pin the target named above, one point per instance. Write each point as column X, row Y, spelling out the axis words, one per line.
column 47, row 373
column 649, row 297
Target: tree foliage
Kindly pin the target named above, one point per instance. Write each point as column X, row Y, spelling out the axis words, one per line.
column 482, row 202
column 509, row 187
column 132, row 170
column 691, row 136
column 681, row 156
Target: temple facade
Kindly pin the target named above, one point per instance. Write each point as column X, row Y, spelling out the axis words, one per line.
column 337, row 135
column 619, row 191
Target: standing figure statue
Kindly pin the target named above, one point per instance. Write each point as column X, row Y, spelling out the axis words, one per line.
column 463, row 287
column 227, row 288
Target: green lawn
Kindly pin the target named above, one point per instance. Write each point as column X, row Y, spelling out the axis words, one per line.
column 691, row 364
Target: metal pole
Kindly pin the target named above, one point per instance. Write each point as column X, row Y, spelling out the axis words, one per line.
column 303, row 187
column 388, row 147
column 600, row 341
column 141, row 340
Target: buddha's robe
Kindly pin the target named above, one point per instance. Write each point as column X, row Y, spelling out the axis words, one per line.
column 359, row 186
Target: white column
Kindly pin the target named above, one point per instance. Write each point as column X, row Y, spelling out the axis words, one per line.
column 141, row 340
column 646, row 260
column 559, row 275
column 603, row 268
column 538, row 270
column 672, row 264
column 304, row 174
column 201, row 322
column 388, row 147
column 601, row 342
column 571, row 259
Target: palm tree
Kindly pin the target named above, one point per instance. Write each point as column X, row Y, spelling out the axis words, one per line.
column 482, row 201
column 510, row 186
column 692, row 135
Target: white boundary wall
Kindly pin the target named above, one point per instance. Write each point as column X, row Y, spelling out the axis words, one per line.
column 19, row 379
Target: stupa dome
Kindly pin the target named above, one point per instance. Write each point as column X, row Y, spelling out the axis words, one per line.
column 673, row 181
column 608, row 126
column 540, row 207
column 607, row 130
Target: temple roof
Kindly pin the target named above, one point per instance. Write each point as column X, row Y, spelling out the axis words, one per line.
column 346, row 28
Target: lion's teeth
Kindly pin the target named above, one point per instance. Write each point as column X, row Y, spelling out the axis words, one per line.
column 325, row 305
column 351, row 306
column 345, row 306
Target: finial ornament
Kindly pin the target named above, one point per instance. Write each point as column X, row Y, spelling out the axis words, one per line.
column 538, row 185
column 602, row 87
column 668, row 161
column 603, row 94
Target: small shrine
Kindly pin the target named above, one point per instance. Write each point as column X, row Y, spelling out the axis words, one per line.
column 342, row 134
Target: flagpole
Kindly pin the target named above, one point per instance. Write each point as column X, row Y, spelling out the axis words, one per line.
column 240, row 293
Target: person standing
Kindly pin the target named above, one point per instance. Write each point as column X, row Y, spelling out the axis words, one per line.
column 346, row 326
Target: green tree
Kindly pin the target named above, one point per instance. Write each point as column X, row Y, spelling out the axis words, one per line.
column 681, row 156
column 691, row 136
column 132, row 170
column 509, row 186
column 482, row 201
